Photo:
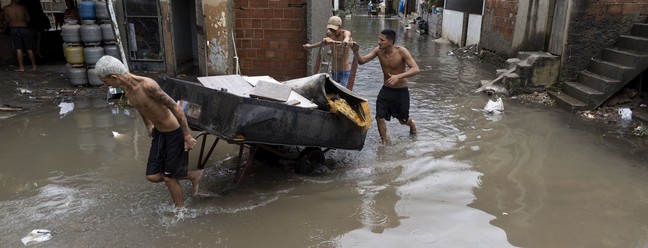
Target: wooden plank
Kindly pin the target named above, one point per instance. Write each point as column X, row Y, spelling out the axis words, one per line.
column 234, row 84
column 271, row 91
column 354, row 68
column 113, row 20
column 558, row 27
column 318, row 61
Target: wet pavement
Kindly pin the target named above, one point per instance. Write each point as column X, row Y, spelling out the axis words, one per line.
column 531, row 177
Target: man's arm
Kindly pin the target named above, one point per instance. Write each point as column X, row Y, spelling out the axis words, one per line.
column 318, row 44
column 366, row 58
column 413, row 67
column 347, row 37
column 148, row 124
column 26, row 13
column 156, row 93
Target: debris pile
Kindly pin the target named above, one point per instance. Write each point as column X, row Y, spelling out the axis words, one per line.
column 467, row 52
column 536, row 97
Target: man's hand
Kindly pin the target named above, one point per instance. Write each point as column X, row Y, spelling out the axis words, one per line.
column 189, row 143
column 392, row 80
column 355, row 46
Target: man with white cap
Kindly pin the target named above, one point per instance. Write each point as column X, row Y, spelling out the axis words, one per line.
column 338, row 38
column 165, row 123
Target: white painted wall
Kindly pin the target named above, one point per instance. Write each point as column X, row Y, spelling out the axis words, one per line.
column 474, row 29
column 532, row 19
column 452, row 27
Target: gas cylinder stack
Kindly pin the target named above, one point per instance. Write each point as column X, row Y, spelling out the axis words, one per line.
column 85, row 44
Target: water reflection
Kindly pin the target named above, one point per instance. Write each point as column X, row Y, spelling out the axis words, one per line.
column 102, row 127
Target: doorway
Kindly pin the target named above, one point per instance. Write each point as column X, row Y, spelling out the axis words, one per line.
column 183, row 14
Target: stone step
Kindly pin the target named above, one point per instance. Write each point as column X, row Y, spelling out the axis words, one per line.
column 631, row 42
column 567, row 102
column 598, row 82
column 640, row 29
column 623, row 56
column 608, row 68
column 583, row 93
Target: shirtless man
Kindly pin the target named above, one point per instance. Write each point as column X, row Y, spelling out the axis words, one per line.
column 339, row 39
column 166, row 124
column 393, row 99
column 16, row 18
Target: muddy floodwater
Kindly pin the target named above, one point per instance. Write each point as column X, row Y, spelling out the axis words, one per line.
column 533, row 176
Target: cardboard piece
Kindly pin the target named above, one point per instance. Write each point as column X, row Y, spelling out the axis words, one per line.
column 271, row 91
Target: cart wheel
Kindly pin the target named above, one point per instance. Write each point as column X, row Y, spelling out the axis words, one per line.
column 309, row 160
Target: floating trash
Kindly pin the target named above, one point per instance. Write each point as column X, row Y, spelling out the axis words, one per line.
column 36, row 236
column 625, row 113
column 640, row 131
column 494, row 107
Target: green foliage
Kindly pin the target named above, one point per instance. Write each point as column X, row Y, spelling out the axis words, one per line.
column 123, row 102
column 349, row 7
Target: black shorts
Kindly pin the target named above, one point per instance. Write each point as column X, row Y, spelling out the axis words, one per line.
column 167, row 154
column 21, row 38
column 393, row 102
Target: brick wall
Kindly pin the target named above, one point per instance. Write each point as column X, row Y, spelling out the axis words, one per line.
column 498, row 26
column 269, row 37
column 594, row 26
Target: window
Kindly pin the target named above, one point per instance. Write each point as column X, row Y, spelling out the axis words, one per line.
column 143, row 27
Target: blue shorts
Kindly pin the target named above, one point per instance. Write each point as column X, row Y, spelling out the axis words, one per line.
column 341, row 77
column 167, row 154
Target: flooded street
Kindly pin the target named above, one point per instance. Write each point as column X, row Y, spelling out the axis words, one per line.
column 531, row 177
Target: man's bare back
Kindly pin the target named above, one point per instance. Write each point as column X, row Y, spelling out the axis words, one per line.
column 16, row 15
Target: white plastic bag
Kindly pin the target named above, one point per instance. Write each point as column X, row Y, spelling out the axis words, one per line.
column 625, row 113
column 36, row 236
column 494, row 107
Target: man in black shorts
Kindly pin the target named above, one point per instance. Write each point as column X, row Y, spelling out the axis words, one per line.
column 165, row 122
column 393, row 99
column 16, row 17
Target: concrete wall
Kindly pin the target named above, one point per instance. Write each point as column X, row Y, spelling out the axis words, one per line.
column 453, row 26
column 474, row 29
column 510, row 26
column 594, row 26
column 217, row 35
column 316, row 19
column 532, row 25
column 269, row 37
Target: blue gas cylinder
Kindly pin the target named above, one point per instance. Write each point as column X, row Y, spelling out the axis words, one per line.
column 87, row 10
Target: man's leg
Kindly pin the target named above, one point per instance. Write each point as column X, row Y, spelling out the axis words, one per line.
column 176, row 191
column 194, row 177
column 19, row 56
column 382, row 130
column 30, row 53
column 155, row 178
column 412, row 125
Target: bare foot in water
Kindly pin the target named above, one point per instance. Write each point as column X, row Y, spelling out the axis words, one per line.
column 194, row 182
column 413, row 129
